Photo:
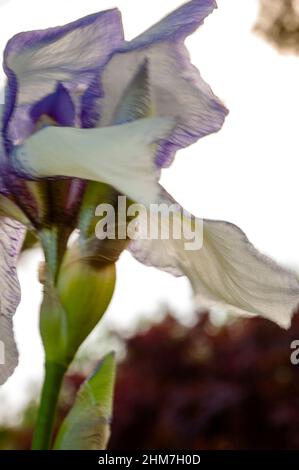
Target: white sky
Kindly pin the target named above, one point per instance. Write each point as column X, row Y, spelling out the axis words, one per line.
column 246, row 174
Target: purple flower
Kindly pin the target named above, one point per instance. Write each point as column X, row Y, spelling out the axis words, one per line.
column 82, row 104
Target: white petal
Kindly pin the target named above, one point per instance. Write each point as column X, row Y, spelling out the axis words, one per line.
column 11, row 234
column 121, row 156
column 227, row 272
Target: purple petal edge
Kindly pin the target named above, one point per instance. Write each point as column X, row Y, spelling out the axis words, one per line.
column 183, row 137
column 176, row 26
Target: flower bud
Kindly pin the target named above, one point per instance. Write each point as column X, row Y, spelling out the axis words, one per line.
column 74, row 305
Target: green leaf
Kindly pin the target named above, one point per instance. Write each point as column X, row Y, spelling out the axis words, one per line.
column 87, row 426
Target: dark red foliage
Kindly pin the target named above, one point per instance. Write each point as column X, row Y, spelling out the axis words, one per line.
column 200, row 388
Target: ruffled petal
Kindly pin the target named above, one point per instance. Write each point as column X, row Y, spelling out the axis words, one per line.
column 227, row 271
column 3, row 189
column 63, row 54
column 121, row 156
column 12, row 234
column 176, row 86
column 73, row 54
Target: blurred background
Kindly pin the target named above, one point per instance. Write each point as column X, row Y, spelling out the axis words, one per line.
column 188, row 380
column 205, row 387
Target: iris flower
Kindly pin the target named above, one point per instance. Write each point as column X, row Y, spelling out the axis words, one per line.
column 84, row 105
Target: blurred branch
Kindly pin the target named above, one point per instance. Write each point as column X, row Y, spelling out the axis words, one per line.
column 278, row 23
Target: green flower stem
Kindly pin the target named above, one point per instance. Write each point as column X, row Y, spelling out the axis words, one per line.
column 54, row 374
